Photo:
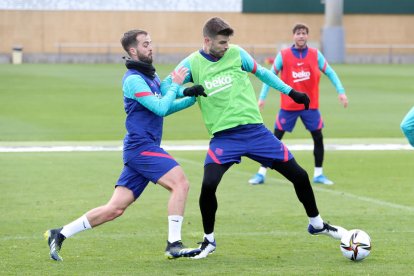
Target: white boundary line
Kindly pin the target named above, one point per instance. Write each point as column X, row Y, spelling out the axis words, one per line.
column 293, row 147
column 320, row 188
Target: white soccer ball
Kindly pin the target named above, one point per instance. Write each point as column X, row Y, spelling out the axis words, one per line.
column 355, row 245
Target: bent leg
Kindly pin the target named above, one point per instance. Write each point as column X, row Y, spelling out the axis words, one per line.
column 318, row 147
column 176, row 182
column 299, row 177
column 120, row 200
column 208, row 200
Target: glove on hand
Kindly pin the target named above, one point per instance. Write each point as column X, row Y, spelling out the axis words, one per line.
column 195, row 90
column 299, row 97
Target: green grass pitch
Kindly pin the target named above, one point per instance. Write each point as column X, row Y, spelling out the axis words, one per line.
column 260, row 230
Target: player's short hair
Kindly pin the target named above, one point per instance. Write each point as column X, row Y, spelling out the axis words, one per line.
column 217, row 26
column 300, row 26
column 130, row 39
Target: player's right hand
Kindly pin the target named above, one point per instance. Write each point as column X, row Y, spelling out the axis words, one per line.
column 178, row 76
column 343, row 99
column 300, row 98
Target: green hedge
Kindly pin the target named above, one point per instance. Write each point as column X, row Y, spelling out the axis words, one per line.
column 316, row 6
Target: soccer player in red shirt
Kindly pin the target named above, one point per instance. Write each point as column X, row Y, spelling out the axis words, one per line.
column 300, row 67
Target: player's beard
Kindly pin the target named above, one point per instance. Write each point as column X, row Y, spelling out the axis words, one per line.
column 217, row 54
column 144, row 58
column 301, row 44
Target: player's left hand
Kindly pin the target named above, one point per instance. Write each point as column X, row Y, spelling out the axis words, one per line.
column 300, row 98
column 195, row 90
column 343, row 99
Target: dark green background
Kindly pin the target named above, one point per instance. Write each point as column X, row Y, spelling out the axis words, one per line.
column 315, row 6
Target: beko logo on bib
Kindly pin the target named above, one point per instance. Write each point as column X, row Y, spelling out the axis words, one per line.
column 300, row 76
column 218, row 82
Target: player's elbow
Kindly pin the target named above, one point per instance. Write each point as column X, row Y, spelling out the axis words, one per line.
column 161, row 112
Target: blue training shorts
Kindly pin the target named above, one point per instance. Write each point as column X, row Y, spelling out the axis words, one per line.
column 144, row 166
column 254, row 141
column 311, row 118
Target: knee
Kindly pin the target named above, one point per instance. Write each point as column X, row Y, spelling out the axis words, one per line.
column 317, row 135
column 178, row 185
column 184, row 186
column 303, row 174
column 113, row 212
column 210, row 183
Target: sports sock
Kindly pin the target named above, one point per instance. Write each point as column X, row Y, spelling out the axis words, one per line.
column 318, row 171
column 174, row 228
column 210, row 237
column 76, row 226
column 263, row 171
column 316, row 222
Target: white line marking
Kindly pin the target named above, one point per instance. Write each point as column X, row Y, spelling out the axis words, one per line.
column 341, row 193
column 320, row 189
column 293, row 147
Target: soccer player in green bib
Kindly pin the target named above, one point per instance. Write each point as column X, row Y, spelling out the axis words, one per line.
column 235, row 125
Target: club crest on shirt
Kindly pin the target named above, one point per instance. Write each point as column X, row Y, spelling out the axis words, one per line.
column 218, row 151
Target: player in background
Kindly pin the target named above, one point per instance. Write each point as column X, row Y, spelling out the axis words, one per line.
column 146, row 102
column 300, row 67
column 407, row 126
column 235, row 125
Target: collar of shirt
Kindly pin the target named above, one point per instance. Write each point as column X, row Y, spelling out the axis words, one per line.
column 299, row 53
column 208, row 56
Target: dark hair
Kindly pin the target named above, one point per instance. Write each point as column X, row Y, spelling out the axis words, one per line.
column 300, row 26
column 217, row 26
column 130, row 39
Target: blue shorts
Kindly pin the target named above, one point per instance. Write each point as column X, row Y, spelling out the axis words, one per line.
column 254, row 141
column 311, row 118
column 145, row 166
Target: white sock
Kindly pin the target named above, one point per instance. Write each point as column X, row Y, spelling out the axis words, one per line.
column 76, row 226
column 210, row 237
column 318, row 171
column 263, row 171
column 316, row 222
column 174, row 228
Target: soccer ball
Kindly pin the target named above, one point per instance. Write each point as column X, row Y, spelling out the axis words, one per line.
column 355, row 245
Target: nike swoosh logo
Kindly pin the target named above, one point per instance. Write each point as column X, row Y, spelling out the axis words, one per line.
column 84, row 226
column 300, row 63
column 174, row 220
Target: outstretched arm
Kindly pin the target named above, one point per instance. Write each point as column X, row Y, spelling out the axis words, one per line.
column 165, row 84
column 333, row 77
column 263, row 74
column 266, row 76
column 276, row 67
column 137, row 89
column 180, row 104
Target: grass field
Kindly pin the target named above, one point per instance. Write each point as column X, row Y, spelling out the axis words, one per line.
column 260, row 230
column 84, row 102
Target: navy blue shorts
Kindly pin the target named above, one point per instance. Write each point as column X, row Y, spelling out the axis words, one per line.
column 145, row 166
column 254, row 141
column 311, row 118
